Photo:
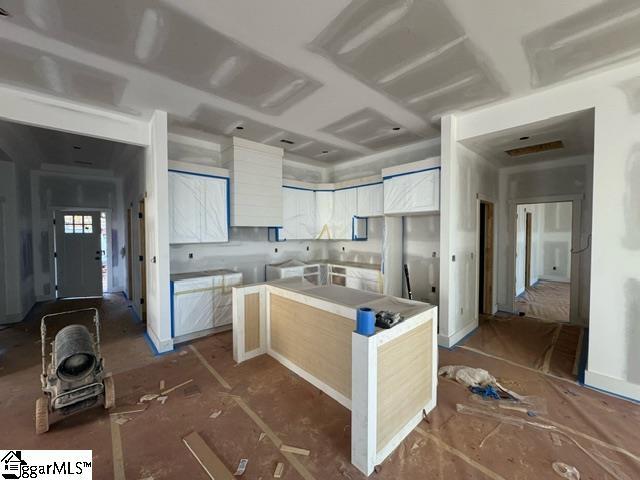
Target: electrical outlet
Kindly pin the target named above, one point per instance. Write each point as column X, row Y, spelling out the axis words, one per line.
column 453, row 258
column 461, row 310
column 191, row 255
column 307, row 248
column 433, row 289
column 434, row 255
column 276, row 250
column 555, row 268
column 343, row 249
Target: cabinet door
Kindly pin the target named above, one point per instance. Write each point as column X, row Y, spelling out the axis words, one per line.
column 412, row 193
column 324, row 215
column 371, row 200
column 344, row 209
column 214, row 211
column 185, row 205
column 306, row 214
column 289, row 214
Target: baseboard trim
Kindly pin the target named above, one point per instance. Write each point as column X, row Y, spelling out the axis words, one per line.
column 158, row 347
column 553, row 278
column 452, row 340
column 613, row 386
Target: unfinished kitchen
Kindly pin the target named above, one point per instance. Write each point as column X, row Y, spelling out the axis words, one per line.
column 345, row 239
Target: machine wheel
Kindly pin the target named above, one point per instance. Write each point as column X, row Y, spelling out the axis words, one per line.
column 109, row 392
column 42, row 415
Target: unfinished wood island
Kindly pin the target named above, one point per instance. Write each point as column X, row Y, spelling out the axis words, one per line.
column 387, row 379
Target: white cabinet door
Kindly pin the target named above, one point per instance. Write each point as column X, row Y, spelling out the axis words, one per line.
column 371, row 200
column 214, row 212
column 306, row 214
column 324, row 215
column 289, row 215
column 412, row 193
column 344, row 209
column 185, row 206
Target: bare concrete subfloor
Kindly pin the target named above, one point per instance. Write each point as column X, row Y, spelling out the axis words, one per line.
column 596, row 433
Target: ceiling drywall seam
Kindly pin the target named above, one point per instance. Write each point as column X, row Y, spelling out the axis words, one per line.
column 146, row 98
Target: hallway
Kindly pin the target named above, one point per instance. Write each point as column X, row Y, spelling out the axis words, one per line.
column 545, row 300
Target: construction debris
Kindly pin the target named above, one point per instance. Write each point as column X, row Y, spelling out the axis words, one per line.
column 176, row 387
column 242, row 466
column 467, row 376
column 129, row 409
column 262, row 435
column 295, row 450
column 279, row 470
column 162, row 399
column 206, row 458
column 148, row 397
column 216, row 414
column 161, row 385
column 566, row 471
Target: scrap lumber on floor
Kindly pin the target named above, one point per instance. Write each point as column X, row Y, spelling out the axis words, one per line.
column 205, row 456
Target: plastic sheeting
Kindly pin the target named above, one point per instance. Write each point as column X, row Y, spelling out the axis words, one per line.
column 202, row 301
column 417, row 192
column 197, row 209
column 299, row 214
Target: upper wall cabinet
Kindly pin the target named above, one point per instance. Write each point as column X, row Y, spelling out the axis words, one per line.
column 256, row 183
column 371, row 200
column 299, row 214
column 345, row 207
column 324, row 214
column 198, row 208
column 412, row 192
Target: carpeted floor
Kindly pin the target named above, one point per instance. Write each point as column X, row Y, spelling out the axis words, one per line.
column 545, row 300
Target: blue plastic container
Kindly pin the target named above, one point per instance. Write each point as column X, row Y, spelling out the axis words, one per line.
column 366, row 321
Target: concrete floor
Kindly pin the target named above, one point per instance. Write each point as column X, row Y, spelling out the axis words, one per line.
column 596, row 433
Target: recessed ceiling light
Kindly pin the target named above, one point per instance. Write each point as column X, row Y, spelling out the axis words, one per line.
column 288, row 142
column 239, row 127
column 325, row 151
column 77, row 147
column 525, row 138
column 4, row 12
column 395, row 129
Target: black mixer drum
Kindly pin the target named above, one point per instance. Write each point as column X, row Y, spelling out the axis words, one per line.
column 75, row 356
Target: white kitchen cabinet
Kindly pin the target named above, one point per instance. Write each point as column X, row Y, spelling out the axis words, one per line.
column 371, row 200
column 415, row 192
column 299, row 214
column 324, row 214
column 201, row 302
column 198, row 208
column 345, row 207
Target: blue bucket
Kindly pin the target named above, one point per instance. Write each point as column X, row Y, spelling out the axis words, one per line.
column 366, row 321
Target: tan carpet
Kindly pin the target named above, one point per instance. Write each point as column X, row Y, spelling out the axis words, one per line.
column 545, row 300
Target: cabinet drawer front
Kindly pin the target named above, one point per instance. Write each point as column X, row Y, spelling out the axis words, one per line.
column 192, row 312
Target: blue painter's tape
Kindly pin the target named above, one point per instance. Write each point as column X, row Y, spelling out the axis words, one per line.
column 153, row 348
column 171, row 293
column 199, row 174
column 411, row 173
column 330, row 190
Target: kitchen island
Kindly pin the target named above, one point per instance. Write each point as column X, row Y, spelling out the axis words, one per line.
column 387, row 379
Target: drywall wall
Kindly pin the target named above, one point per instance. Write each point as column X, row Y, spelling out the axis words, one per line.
column 421, row 250
column 615, row 254
column 466, row 178
column 369, row 251
column 548, row 180
column 131, row 172
column 248, row 251
column 537, row 211
column 555, row 242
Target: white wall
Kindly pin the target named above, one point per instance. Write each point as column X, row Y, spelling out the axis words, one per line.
column 422, row 254
column 465, row 176
column 555, row 242
column 369, row 251
column 614, row 335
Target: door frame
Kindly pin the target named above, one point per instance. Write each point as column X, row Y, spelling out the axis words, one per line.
column 53, row 266
column 480, row 198
column 129, row 251
column 528, row 225
column 576, row 227
column 142, row 245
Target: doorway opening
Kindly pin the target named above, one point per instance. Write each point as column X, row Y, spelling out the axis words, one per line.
column 543, row 260
column 81, row 253
column 485, row 258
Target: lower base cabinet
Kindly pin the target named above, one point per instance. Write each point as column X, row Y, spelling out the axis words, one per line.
column 201, row 302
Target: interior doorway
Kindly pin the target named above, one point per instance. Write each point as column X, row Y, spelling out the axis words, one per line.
column 143, row 260
column 543, row 260
column 78, row 253
column 486, row 257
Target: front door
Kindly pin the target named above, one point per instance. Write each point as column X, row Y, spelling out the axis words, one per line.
column 78, row 254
